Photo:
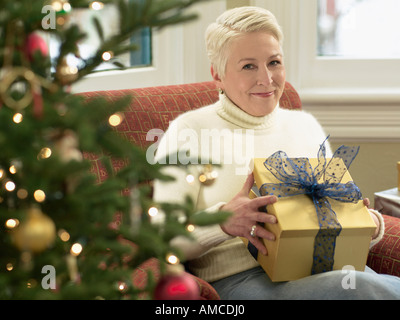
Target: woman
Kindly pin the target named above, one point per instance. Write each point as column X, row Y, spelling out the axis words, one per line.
column 247, row 65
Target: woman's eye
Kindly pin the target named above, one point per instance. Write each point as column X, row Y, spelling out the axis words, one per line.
column 248, row 67
column 275, row 63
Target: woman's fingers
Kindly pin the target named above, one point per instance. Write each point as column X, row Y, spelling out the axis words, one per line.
column 259, row 245
column 264, row 201
column 247, row 216
column 261, row 232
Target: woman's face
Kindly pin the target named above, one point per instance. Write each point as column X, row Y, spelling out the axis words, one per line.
column 254, row 75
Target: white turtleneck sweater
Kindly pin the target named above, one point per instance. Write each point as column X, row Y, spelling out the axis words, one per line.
column 227, row 135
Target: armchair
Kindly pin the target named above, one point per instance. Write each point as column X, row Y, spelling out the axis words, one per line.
column 155, row 107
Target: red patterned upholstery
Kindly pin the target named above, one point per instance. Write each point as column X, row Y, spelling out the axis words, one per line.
column 384, row 257
column 155, row 107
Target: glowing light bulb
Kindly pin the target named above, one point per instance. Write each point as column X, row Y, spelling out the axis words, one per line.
column 67, row 7
column 153, row 211
column 57, row 5
column 122, row 286
column 76, row 249
column 189, row 178
column 39, row 195
column 64, row 235
column 10, row 186
column 12, row 223
column 18, row 118
column 107, row 55
column 96, row 5
column 172, row 259
column 115, row 120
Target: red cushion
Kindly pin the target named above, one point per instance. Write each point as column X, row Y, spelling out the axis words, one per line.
column 384, row 257
column 290, row 98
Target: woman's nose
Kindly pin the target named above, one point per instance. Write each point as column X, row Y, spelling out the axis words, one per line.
column 264, row 77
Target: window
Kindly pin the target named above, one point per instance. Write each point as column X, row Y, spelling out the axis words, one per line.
column 107, row 15
column 344, row 66
column 359, row 28
column 355, row 95
column 175, row 54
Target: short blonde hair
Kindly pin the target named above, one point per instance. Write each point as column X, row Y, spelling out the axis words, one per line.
column 232, row 24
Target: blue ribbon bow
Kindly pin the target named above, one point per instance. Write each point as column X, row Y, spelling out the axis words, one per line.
column 299, row 178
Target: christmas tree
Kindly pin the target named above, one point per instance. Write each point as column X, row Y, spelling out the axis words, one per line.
column 64, row 235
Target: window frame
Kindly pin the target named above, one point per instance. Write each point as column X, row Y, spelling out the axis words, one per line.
column 362, row 75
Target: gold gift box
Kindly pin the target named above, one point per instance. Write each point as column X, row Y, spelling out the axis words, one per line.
column 290, row 256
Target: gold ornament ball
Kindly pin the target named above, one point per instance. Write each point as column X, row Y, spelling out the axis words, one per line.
column 36, row 233
column 208, row 175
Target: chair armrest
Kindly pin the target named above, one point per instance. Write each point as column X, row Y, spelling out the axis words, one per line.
column 207, row 292
column 384, row 257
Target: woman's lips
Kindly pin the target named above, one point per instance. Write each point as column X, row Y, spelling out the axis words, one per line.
column 263, row 94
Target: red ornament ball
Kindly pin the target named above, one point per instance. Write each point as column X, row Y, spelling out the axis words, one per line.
column 177, row 287
column 35, row 42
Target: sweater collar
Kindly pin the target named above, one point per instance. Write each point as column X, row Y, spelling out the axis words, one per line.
column 227, row 110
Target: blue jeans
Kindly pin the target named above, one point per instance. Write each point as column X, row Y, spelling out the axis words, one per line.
column 254, row 284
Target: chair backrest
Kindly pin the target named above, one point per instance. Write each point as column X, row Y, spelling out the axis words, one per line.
column 154, row 107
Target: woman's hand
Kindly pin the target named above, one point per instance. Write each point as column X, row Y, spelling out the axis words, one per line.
column 246, row 214
column 374, row 217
